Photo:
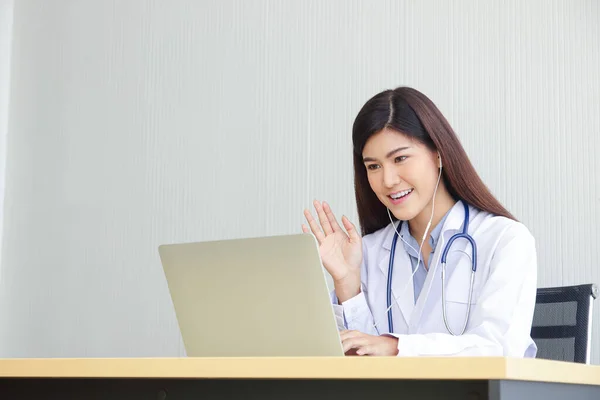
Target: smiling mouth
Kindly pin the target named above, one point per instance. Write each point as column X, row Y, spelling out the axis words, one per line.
column 400, row 195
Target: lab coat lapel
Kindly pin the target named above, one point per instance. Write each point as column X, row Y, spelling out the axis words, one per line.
column 431, row 291
column 403, row 297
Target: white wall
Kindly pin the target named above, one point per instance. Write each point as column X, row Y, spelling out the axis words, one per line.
column 143, row 122
column 6, row 29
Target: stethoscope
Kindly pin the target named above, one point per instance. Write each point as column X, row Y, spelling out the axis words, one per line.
column 464, row 234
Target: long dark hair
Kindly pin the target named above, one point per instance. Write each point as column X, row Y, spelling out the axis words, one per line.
column 410, row 112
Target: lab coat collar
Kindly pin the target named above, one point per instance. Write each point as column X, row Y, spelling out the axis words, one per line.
column 402, row 285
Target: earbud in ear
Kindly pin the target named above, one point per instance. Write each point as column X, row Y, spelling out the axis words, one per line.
column 440, row 158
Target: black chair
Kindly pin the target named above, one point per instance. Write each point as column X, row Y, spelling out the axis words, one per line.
column 562, row 322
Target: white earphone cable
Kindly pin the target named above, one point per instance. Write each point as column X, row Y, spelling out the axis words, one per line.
column 420, row 247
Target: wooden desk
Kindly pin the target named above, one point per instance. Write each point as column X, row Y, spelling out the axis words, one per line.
column 297, row 378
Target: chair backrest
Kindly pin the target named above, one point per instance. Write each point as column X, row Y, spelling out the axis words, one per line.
column 562, row 322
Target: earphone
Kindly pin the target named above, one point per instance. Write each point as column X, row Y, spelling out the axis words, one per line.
column 432, row 204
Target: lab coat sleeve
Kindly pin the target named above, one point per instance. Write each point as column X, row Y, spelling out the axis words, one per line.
column 500, row 323
column 338, row 310
column 355, row 313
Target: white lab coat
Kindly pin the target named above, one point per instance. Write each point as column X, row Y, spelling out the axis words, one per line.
column 503, row 297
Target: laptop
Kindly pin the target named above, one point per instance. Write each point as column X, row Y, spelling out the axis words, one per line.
column 255, row 297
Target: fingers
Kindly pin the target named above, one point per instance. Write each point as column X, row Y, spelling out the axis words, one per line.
column 323, row 218
column 331, row 217
column 351, row 229
column 347, row 334
column 353, row 340
column 314, row 227
column 362, row 344
column 356, row 343
column 328, row 223
column 365, row 351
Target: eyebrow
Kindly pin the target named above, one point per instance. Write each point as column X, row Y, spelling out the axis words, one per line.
column 388, row 155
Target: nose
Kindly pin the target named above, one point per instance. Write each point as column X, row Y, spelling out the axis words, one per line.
column 390, row 177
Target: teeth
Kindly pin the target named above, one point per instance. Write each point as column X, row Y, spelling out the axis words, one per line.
column 396, row 196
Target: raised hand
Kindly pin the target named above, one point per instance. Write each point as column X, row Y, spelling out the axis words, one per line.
column 341, row 251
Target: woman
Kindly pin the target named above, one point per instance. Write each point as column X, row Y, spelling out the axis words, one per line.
column 415, row 189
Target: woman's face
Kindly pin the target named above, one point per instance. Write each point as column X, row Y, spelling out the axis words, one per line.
column 402, row 172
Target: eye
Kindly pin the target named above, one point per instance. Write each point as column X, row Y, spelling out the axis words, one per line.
column 400, row 158
column 372, row 166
